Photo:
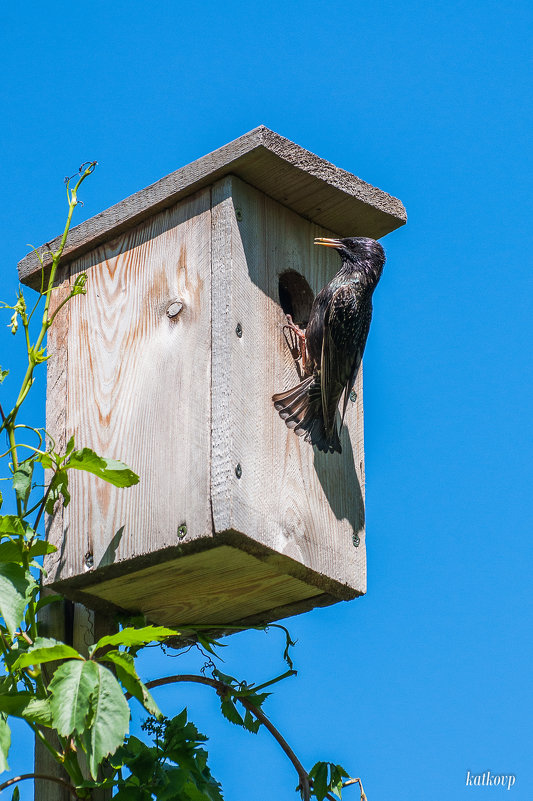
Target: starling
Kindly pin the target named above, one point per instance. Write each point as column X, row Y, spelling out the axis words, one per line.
column 333, row 343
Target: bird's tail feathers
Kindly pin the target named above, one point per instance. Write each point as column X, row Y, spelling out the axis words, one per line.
column 301, row 409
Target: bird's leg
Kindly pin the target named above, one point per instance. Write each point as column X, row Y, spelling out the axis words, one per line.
column 297, row 341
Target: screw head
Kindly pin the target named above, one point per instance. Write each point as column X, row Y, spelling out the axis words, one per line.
column 353, row 396
column 238, row 330
column 355, row 539
column 238, row 471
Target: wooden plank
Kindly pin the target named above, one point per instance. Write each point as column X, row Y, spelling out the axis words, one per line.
column 302, row 504
column 51, row 624
column 139, row 390
column 311, row 186
column 215, row 587
column 56, row 391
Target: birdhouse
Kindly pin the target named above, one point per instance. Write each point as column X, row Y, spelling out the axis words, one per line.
column 169, row 363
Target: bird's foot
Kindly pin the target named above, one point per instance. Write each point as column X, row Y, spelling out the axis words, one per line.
column 295, row 340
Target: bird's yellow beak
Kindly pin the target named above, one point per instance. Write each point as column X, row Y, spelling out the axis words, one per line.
column 328, row 243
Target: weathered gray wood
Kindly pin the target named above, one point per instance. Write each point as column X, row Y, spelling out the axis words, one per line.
column 297, row 502
column 138, row 389
column 51, row 624
column 56, row 383
column 87, row 628
column 314, row 188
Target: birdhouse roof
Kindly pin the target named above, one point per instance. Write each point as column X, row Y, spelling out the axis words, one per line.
column 309, row 185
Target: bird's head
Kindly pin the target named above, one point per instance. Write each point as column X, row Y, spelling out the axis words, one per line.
column 359, row 252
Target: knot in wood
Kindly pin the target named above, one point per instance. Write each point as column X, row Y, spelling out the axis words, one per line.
column 174, row 309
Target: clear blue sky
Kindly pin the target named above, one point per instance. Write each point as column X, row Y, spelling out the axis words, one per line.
column 429, row 675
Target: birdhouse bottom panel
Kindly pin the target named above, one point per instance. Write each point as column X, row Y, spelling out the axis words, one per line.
column 220, row 586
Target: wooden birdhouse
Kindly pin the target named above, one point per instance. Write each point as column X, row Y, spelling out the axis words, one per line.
column 169, row 363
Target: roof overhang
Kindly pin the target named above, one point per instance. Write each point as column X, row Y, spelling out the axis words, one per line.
column 309, row 185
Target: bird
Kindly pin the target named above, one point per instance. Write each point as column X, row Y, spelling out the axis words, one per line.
column 333, row 342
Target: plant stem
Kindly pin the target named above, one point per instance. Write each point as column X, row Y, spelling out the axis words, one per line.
column 222, row 689
column 28, row 378
column 62, row 782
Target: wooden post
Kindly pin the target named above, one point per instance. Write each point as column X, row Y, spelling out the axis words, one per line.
column 80, row 627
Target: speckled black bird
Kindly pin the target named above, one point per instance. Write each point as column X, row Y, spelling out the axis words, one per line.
column 335, row 339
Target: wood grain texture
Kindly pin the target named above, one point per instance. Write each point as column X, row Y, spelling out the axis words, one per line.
column 139, row 390
column 56, row 387
column 300, row 503
column 311, row 186
column 217, row 586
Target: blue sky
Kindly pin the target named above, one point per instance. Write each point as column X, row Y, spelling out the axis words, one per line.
column 429, row 675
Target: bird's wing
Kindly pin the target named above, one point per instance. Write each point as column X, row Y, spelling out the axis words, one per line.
column 346, row 326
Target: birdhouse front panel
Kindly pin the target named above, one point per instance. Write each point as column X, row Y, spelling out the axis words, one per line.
column 137, row 386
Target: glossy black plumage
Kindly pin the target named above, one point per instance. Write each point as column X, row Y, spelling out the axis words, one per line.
column 335, row 339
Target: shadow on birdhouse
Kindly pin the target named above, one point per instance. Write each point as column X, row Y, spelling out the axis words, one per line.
column 169, row 363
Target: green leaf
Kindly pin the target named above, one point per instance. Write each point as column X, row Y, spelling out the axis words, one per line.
column 128, row 677
column 71, row 690
column 86, row 699
column 11, row 551
column 26, row 705
column 327, row 777
column 58, row 489
column 251, row 723
column 230, row 711
column 44, row 600
column 22, row 478
column 319, row 777
column 110, row 722
column 12, row 525
column 3, row 375
column 46, row 460
column 16, row 794
column 130, row 637
column 16, row 586
column 70, row 447
column 41, row 547
column 5, row 742
column 45, row 649
column 110, row 470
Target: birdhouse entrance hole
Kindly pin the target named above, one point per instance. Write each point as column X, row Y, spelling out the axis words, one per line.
column 295, row 296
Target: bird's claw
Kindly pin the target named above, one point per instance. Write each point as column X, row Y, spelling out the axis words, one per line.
column 295, row 340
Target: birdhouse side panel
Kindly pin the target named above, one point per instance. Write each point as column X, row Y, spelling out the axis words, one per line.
column 307, row 507
column 138, row 390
